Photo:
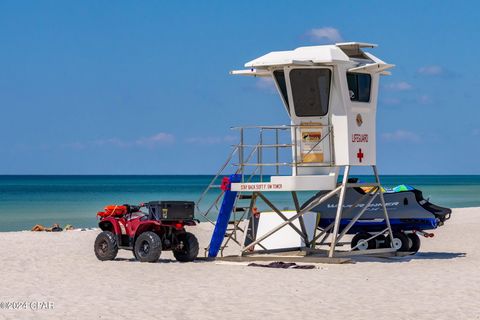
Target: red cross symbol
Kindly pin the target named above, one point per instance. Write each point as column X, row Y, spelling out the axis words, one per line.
column 360, row 155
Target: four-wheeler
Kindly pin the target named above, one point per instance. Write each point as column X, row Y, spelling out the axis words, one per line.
column 147, row 234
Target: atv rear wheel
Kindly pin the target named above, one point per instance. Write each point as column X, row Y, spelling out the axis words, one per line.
column 148, row 247
column 400, row 241
column 187, row 249
column 359, row 242
column 106, row 247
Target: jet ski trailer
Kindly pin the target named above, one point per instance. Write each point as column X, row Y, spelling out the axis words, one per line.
column 410, row 215
column 329, row 92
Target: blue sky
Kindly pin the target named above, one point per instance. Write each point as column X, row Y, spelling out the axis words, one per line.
column 127, row 87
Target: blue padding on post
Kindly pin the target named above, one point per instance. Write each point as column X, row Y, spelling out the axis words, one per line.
column 223, row 217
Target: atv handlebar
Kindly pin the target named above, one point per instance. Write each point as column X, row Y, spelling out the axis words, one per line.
column 132, row 208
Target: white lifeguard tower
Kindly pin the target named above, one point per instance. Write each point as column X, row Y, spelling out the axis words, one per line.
column 330, row 94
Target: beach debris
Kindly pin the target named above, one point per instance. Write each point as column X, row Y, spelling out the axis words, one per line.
column 282, row 265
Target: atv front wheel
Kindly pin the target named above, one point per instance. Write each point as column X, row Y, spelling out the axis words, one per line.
column 187, row 249
column 148, row 247
column 106, row 247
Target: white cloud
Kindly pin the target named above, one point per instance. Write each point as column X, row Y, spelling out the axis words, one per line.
column 160, row 138
column 399, row 86
column 157, row 139
column 325, row 34
column 390, row 101
column 401, row 135
column 265, row 84
column 432, row 70
column 424, row 99
column 211, row 140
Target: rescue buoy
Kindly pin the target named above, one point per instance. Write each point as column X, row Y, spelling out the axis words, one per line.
column 113, row 210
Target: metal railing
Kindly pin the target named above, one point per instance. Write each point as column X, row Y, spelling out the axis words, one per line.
column 294, row 144
column 253, row 163
column 220, row 173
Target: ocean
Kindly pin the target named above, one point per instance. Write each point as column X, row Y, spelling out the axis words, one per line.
column 29, row 200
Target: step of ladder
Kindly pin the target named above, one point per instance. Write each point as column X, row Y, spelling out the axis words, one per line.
column 245, row 196
column 240, row 209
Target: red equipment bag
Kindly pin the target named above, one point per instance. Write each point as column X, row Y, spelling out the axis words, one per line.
column 113, row 210
column 225, row 184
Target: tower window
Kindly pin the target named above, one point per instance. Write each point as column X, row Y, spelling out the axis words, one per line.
column 310, row 91
column 359, row 86
column 282, row 85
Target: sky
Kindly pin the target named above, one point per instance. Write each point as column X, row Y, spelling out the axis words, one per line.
column 143, row 87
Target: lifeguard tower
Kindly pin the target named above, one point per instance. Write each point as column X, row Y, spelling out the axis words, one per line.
column 330, row 94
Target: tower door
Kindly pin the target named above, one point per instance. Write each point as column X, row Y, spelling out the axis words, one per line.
column 309, row 91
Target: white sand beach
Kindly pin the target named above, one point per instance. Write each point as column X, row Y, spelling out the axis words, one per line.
column 441, row 282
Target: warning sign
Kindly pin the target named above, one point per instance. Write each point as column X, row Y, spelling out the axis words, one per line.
column 255, row 186
column 311, row 147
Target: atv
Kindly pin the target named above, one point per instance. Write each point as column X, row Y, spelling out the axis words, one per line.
column 147, row 234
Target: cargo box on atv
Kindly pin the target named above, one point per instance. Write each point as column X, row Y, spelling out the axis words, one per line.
column 171, row 210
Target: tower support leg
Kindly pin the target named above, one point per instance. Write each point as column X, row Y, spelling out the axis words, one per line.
column 338, row 216
column 384, row 207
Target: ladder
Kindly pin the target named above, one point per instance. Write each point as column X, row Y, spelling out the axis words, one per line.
column 240, row 209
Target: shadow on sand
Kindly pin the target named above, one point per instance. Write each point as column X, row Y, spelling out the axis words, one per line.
column 417, row 256
column 437, row 255
column 135, row 260
column 358, row 259
column 199, row 259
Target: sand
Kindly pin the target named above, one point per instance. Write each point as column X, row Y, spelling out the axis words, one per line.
column 59, row 274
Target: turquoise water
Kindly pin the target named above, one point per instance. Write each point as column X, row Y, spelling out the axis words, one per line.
column 28, row 200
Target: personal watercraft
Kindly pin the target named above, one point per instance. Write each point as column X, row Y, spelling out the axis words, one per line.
column 410, row 214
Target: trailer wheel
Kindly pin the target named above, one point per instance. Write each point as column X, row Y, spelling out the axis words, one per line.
column 359, row 242
column 106, row 247
column 188, row 247
column 415, row 240
column 401, row 241
column 381, row 242
column 148, row 247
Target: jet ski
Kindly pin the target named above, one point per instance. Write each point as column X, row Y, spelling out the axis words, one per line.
column 410, row 214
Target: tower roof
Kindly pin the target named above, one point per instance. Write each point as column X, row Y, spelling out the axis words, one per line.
column 340, row 53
